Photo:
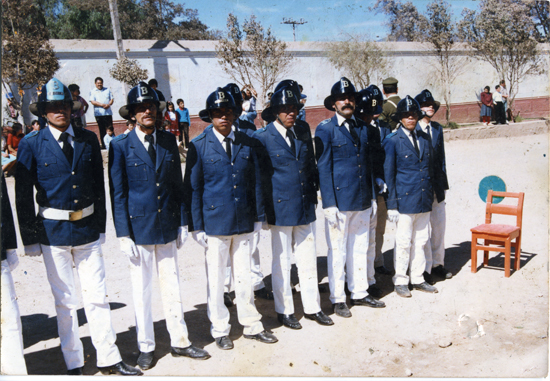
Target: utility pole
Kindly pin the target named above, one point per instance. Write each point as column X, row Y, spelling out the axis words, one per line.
column 293, row 23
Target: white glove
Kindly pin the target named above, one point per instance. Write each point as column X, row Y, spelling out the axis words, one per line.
column 381, row 185
column 12, row 258
column 331, row 215
column 183, row 232
column 102, row 238
column 374, row 206
column 393, row 215
column 128, row 247
column 257, row 226
column 201, row 239
column 33, row 250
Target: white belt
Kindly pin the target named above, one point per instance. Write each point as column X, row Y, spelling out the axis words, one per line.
column 65, row 215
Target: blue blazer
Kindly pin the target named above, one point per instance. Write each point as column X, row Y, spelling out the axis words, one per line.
column 440, row 182
column 245, row 126
column 9, row 240
column 408, row 174
column 224, row 194
column 344, row 167
column 60, row 185
column 385, row 129
column 147, row 201
column 289, row 179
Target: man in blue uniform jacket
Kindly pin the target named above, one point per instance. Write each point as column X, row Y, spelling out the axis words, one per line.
column 260, row 290
column 66, row 167
column 289, row 183
column 222, row 180
column 345, row 179
column 12, row 361
column 408, row 171
column 150, row 219
column 435, row 249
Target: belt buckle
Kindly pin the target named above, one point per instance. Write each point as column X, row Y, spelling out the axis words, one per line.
column 75, row 216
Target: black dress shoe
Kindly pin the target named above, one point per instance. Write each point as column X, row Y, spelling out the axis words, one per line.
column 289, row 321
column 374, row 291
column 382, row 270
column 403, row 291
column 442, row 272
column 120, row 369
column 191, row 351
column 227, row 300
column 145, row 360
column 368, row 301
column 264, row 337
column 425, row 287
column 224, row 343
column 428, row 278
column 320, row 318
column 341, row 309
column 264, row 294
column 75, row 372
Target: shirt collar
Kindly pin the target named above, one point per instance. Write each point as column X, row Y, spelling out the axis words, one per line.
column 220, row 137
column 141, row 135
column 424, row 125
column 282, row 129
column 57, row 134
column 341, row 119
column 406, row 131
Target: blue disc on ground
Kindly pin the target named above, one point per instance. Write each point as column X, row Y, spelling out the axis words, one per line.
column 494, row 183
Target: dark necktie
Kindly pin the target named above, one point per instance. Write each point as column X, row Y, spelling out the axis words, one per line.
column 67, row 148
column 428, row 129
column 151, row 150
column 415, row 143
column 228, row 147
column 351, row 125
column 291, row 137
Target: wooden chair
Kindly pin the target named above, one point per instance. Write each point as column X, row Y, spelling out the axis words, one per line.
column 495, row 234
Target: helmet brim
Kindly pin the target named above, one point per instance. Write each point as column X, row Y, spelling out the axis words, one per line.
column 33, row 108
column 205, row 116
column 329, row 103
column 125, row 110
column 397, row 117
column 267, row 115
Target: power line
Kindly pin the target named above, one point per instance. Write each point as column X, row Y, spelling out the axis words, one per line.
column 293, row 23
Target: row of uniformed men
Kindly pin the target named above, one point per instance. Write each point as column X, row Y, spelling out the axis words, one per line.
column 234, row 184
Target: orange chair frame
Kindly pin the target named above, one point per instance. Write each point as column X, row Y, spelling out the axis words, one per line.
column 502, row 235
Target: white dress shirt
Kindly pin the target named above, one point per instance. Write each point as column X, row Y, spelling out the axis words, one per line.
column 57, row 135
column 221, row 138
column 282, row 130
column 141, row 137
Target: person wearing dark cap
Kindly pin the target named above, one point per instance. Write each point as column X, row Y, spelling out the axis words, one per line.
column 260, row 289
column 65, row 166
column 367, row 107
column 289, row 185
column 222, row 183
column 408, row 169
column 435, row 249
column 390, row 88
column 343, row 161
column 151, row 218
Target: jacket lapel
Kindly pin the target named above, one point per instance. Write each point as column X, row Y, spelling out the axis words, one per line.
column 419, row 134
column 278, row 138
column 139, row 148
column 406, row 141
column 79, row 145
column 161, row 148
column 54, row 147
column 300, row 137
column 237, row 144
column 216, row 145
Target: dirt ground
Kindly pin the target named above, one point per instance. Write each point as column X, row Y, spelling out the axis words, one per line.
column 478, row 325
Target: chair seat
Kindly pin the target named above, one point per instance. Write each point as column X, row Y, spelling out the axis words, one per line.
column 495, row 229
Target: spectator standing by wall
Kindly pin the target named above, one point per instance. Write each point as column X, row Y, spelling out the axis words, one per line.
column 184, row 122
column 102, row 100
column 500, row 117
column 77, row 117
column 505, row 95
column 486, row 103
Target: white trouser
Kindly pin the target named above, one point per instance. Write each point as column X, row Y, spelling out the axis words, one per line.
column 88, row 260
column 301, row 240
column 381, row 216
column 238, row 249
column 371, row 252
column 348, row 243
column 435, row 249
column 11, row 351
column 257, row 276
column 141, row 272
column 411, row 237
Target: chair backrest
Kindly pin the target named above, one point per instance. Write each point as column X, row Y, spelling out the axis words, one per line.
column 511, row 210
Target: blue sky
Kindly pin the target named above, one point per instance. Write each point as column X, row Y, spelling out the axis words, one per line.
column 326, row 19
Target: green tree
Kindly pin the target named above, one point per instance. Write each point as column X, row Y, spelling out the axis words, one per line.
column 503, row 33
column 405, row 22
column 253, row 54
column 360, row 58
column 28, row 58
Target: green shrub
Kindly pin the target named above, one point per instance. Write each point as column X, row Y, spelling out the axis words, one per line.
column 452, row 125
